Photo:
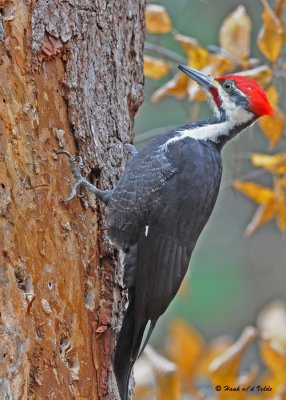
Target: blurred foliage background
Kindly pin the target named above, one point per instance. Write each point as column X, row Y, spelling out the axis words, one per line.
column 232, row 277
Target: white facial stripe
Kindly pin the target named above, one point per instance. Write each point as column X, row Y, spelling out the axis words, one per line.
column 212, row 132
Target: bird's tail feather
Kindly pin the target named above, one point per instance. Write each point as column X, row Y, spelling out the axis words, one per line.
column 151, row 328
column 127, row 348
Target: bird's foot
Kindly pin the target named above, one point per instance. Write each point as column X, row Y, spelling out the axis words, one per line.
column 76, row 166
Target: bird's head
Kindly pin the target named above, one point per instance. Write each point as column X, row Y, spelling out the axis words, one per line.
column 236, row 97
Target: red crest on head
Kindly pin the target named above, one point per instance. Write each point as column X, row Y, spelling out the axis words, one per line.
column 256, row 95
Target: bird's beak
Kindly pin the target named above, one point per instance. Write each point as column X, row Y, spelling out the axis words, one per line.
column 202, row 79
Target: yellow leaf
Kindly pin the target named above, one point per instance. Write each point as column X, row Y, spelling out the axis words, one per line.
column 281, row 218
column 279, row 7
column 271, row 35
column 214, row 349
column 280, row 197
column 185, row 348
column 155, row 68
column 225, row 368
column 271, row 322
column 275, row 164
column 278, row 390
column 219, row 65
column 177, row 87
column 157, row 19
column 274, row 357
column 248, row 378
column 261, row 74
column 272, row 95
column 167, row 378
column 198, row 57
column 263, row 214
column 256, row 192
column 234, row 34
column 272, row 127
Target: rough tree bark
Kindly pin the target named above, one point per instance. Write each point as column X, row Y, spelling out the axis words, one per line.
column 71, row 78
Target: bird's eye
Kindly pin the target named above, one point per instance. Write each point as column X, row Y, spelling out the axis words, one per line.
column 227, row 86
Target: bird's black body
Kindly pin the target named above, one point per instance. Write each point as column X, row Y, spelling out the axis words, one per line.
column 169, row 194
column 163, row 201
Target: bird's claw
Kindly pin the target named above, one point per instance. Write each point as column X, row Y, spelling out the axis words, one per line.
column 76, row 166
column 76, row 163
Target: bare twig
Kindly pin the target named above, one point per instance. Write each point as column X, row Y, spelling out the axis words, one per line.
column 166, row 53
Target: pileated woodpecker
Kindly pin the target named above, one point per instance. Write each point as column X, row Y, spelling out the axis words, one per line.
column 163, row 201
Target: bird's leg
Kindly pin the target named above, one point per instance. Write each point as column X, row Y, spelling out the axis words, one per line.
column 76, row 166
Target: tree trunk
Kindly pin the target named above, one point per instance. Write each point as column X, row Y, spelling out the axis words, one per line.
column 71, row 78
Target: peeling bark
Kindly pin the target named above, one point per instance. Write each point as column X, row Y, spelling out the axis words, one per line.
column 71, row 77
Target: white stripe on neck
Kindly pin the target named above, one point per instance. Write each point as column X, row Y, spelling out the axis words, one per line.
column 214, row 131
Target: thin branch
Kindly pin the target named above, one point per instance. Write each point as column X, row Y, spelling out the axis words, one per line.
column 279, row 74
column 161, row 51
column 218, row 50
column 142, row 137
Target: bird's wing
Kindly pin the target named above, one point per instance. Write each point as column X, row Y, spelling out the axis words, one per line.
column 139, row 190
column 162, row 265
column 162, row 262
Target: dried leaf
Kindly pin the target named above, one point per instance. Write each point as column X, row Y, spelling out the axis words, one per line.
column 272, row 95
column 278, row 390
column 155, row 68
column 157, row 19
column 166, row 375
column 281, row 218
column 198, row 57
column 271, row 322
column 272, row 127
column 274, row 357
column 225, row 368
column 234, row 34
column 185, row 348
column 279, row 7
column 275, row 164
column 214, row 349
column 248, row 378
column 271, row 35
column 280, row 198
column 264, row 214
column 219, row 65
column 256, row 192
column 177, row 87
column 261, row 74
